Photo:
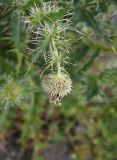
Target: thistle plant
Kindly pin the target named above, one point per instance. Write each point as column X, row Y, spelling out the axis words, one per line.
column 41, row 37
column 15, row 92
column 48, row 25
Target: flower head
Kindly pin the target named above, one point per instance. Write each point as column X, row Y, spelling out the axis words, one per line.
column 57, row 86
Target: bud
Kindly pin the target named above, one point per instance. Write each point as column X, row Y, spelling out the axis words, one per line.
column 57, row 86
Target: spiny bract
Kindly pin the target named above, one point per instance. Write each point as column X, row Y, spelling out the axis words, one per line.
column 57, row 86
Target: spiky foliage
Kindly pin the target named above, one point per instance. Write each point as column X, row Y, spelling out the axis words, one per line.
column 48, row 24
column 47, row 39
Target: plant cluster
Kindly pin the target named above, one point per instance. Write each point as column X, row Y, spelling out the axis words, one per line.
column 55, row 47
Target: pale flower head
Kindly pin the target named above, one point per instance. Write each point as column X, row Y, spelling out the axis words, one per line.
column 57, row 86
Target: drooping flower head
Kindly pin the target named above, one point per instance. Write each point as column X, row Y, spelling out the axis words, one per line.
column 57, row 86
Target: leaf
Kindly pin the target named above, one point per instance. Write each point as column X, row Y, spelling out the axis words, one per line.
column 41, row 17
column 92, row 87
column 90, row 62
column 81, row 52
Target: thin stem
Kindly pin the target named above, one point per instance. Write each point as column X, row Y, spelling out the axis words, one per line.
column 57, row 57
column 58, row 68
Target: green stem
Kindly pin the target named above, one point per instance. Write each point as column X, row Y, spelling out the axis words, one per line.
column 4, row 116
column 19, row 64
column 56, row 56
column 58, row 68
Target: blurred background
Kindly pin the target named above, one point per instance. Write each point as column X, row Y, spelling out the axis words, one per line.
column 84, row 127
